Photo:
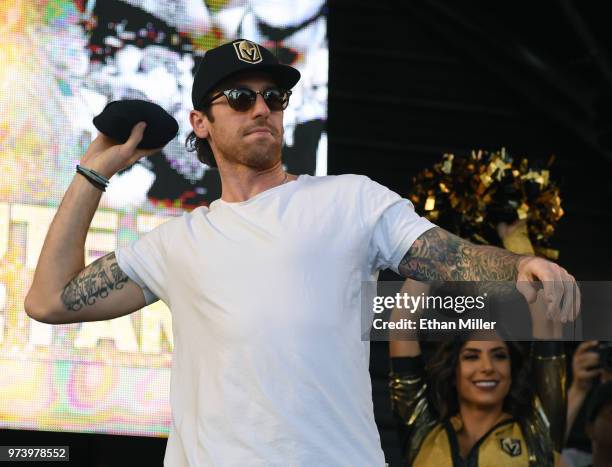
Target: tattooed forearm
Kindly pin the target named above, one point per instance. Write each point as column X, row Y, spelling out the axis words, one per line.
column 438, row 255
column 94, row 282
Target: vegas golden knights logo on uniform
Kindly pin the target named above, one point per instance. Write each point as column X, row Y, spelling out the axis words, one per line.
column 247, row 51
column 511, row 446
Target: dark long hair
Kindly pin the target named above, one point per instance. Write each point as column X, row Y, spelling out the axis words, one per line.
column 199, row 145
column 442, row 380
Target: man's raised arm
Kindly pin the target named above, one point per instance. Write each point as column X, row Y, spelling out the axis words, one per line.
column 438, row 255
column 63, row 289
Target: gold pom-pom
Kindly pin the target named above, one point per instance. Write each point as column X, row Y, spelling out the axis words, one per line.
column 471, row 195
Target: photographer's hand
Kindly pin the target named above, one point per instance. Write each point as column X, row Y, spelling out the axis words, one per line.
column 585, row 368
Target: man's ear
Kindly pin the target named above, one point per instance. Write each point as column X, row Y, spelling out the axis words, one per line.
column 199, row 123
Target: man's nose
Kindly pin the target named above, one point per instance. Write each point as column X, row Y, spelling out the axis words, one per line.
column 260, row 109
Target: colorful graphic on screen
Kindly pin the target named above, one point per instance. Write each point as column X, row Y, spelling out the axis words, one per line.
column 61, row 62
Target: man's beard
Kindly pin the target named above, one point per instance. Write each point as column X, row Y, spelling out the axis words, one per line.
column 258, row 155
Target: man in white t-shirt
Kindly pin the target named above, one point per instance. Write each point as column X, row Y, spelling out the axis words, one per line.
column 269, row 368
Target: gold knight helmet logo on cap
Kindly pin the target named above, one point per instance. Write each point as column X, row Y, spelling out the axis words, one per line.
column 247, row 51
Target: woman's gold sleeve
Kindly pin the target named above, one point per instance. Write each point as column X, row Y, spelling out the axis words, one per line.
column 407, row 388
column 410, row 405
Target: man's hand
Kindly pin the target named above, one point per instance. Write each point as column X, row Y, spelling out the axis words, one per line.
column 561, row 293
column 438, row 255
column 107, row 157
column 585, row 369
column 61, row 281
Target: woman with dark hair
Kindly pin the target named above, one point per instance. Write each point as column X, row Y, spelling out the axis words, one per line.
column 463, row 356
column 481, row 401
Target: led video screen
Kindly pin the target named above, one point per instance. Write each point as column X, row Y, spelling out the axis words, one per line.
column 61, row 62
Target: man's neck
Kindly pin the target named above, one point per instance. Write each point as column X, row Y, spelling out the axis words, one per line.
column 240, row 183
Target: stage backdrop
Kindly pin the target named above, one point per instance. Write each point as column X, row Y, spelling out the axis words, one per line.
column 61, row 62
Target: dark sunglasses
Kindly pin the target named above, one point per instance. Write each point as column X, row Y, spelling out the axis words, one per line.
column 243, row 99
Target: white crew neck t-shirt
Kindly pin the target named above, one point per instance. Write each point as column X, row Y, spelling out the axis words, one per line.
column 269, row 369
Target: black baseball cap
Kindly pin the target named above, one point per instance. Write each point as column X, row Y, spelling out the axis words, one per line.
column 234, row 57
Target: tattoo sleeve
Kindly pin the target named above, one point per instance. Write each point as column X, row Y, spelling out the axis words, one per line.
column 93, row 283
column 438, row 255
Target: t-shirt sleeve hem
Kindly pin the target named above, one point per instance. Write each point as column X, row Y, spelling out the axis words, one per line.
column 150, row 297
column 423, row 226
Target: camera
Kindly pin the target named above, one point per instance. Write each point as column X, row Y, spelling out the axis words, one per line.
column 605, row 355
